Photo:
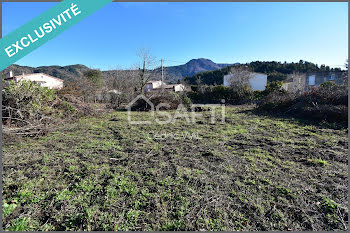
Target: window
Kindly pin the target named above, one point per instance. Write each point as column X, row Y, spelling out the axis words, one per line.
column 331, row 77
column 312, row 80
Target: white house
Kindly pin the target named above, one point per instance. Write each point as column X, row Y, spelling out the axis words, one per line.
column 153, row 85
column 257, row 81
column 157, row 86
column 175, row 87
column 43, row 80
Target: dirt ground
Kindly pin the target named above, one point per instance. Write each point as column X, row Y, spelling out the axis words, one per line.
column 250, row 173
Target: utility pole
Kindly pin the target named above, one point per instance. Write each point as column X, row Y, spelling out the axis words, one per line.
column 162, row 74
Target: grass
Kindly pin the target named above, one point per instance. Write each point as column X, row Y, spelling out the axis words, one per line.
column 251, row 173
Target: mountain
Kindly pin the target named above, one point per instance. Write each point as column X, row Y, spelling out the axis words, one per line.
column 67, row 73
column 194, row 66
column 75, row 72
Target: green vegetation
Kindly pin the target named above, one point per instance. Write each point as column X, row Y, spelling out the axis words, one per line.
column 94, row 77
column 215, row 94
column 250, row 173
column 26, row 102
column 276, row 71
column 328, row 102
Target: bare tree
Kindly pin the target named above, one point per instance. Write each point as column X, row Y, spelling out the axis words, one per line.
column 238, row 79
column 124, row 81
column 144, row 67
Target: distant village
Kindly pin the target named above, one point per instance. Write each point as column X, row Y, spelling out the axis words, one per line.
column 301, row 82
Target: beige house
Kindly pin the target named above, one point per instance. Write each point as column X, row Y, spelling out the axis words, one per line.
column 295, row 83
column 43, row 80
column 307, row 81
column 154, row 85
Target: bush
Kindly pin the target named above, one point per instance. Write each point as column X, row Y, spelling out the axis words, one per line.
column 25, row 102
column 170, row 100
column 272, row 87
column 215, row 95
column 327, row 102
column 328, row 84
column 30, row 110
column 67, row 107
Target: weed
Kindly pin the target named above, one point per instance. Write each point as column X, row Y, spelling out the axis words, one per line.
column 329, row 205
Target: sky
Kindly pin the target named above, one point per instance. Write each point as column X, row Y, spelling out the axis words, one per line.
column 178, row 32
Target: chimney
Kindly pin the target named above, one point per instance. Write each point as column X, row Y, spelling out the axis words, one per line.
column 11, row 74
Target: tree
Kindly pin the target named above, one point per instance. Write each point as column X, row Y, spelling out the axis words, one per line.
column 124, row 81
column 94, row 77
column 275, row 86
column 90, row 84
column 144, row 67
column 239, row 81
column 239, row 77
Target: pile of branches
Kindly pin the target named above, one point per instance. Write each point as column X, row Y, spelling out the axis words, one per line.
column 165, row 101
column 27, row 108
column 328, row 102
column 31, row 110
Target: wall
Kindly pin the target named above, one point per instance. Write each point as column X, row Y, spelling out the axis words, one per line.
column 153, row 85
column 257, row 81
column 322, row 77
column 301, row 81
column 43, row 80
column 179, row 87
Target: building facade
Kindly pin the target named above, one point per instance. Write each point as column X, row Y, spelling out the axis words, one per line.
column 308, row 81
column 43, row 80
column 257, row 81
column 154, row 85
column 157, row 86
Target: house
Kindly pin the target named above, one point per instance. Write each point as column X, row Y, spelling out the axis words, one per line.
column 107, row 95
column 157, row 86
column 175, row 87
column 288, row 86
column 154, row 85
column 307, row 81
column 257, row 81
column 43, row 80
column 295, row 83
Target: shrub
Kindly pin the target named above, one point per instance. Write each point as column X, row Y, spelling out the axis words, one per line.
column 67, row 107
column 170, row 100
column 26, row 101
column 327, row 102
column 32, row 109
column 214, row 94
column 328, row 84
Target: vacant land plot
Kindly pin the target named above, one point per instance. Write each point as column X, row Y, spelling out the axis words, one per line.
column 251, row 173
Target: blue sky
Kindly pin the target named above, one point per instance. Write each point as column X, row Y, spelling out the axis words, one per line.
column 178, row 32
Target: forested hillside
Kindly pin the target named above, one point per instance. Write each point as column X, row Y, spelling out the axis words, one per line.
column 67, row 73
column 274, row 70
